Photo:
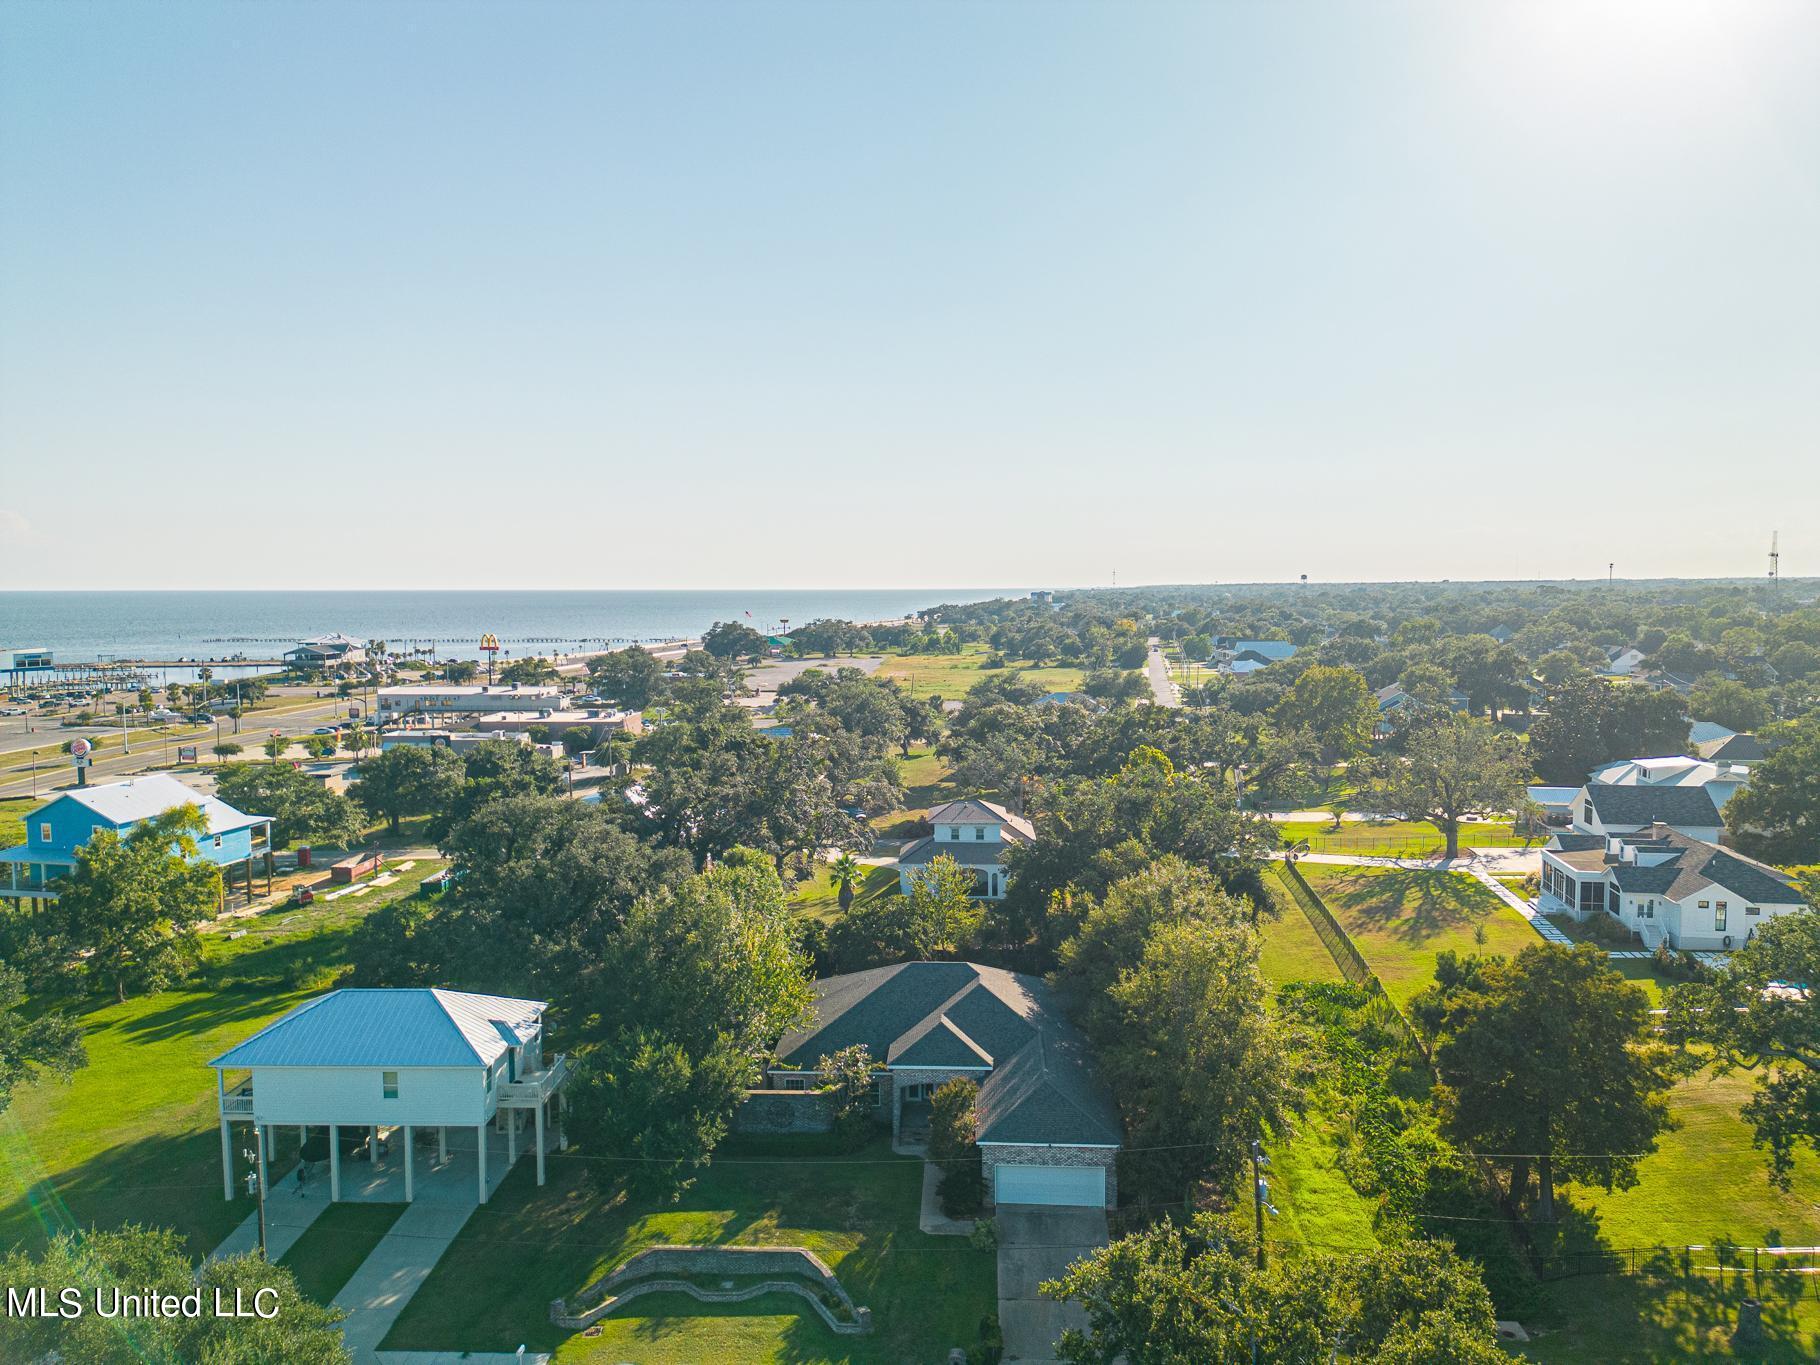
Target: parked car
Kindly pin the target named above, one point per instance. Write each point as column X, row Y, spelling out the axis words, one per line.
column 324, row 730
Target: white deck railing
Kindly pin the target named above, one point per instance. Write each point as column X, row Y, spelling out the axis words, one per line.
column 532, row 1087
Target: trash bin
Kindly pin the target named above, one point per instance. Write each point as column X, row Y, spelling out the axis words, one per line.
column 303, row 855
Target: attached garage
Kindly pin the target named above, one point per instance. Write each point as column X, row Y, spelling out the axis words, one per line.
column 1075, row 1186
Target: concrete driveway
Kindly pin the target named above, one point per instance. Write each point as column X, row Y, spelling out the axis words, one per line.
column 1037, row 1243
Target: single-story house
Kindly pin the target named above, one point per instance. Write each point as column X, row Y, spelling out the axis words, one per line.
column 1606, row 808
column 1665, row 887
column 975, row 834
column 326, row 651
column 62, row 825
column 1048, row 1130
column 408, row 1060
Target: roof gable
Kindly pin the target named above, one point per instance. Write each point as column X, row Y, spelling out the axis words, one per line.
column 1647, row 805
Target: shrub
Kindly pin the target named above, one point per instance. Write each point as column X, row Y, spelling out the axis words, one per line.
column 952, row 1131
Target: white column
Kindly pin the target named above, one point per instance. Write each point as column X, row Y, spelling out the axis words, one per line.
column 227, row 1161
column 334, row 1163
column 540, row 1142
column 262, row 1139
column 373, row 1147
column 511, row 1116
column 407, row 1164
column 480, row 1131
column 442, row 1146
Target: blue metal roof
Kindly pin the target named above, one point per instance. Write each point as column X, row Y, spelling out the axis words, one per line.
column 390, row 1028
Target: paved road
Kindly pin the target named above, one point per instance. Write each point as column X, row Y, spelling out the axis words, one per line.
column 152, row 751
column 1156, row 668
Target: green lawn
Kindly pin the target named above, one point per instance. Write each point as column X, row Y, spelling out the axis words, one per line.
column 12, row 818
column 925, row 778
column 1317, row 1204
column 1641, row 970
column 858, row 1213
column 133, row 1136
column 953, row 676
column 1291, row 950
column 1705, row 1184
column 1392, row 838
column 818, row 899
column 1400, row 918
column 332, row 1248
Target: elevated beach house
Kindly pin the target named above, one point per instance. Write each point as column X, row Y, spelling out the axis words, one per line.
column 398, row 1068
column 61, row 826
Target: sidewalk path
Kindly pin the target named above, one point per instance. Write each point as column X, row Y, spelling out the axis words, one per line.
column 461, row 1358
column 395, row 1270
column 287, row 1214
column 1527, row 909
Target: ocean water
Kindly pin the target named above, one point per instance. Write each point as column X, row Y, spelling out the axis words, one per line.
column 86, row 626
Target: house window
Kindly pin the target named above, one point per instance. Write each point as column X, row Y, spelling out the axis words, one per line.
column 217, row 841
column 1705, row 904
column 1719, row 917
column 44, row 832
column 388, row 1084
column 1753, row 909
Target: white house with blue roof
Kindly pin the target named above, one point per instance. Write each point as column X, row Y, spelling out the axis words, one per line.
column 61, row 826
column 396, row 1064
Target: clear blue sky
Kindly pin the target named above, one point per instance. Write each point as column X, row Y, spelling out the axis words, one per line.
column 637, row 295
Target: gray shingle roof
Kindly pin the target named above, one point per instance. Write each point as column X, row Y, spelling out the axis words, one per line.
column 1042, row 1088
column 1628, row 805
column 966, row 852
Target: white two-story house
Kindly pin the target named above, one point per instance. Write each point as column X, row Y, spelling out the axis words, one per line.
column 975, row 834
column 391, row 1065
column 1665, row 887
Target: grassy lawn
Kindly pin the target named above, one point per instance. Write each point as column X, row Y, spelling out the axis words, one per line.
column 1393, row 838
column 1338, row 787
column 1291, row 949
column 1318, row 1205
column 858, row 1213
column 332, row 1248
column 1400, row 918
column 12, row 819
column 925, row 778
column 953, row 676
column 818, row 899
column 1704, row 1185
column 132, row 1137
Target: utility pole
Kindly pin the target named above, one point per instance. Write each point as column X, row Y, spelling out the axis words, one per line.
column 1610, row 569
column 255, row 1181
column 1775, row 560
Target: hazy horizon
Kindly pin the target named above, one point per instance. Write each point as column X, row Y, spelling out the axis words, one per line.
column 481, row 295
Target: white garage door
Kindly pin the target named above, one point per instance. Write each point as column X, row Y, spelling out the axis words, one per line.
column 1081, row 1186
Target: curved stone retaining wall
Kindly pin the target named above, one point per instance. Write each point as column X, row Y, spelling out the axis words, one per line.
column 656, row 1269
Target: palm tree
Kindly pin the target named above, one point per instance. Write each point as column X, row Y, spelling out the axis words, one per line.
column 843, row 872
